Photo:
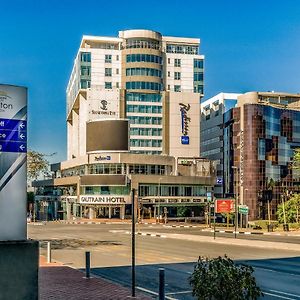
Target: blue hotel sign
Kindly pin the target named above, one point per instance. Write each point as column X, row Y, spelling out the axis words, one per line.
column 13, row 135
column 185, row 121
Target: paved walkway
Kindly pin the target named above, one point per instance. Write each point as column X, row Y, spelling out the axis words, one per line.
column 60, row 282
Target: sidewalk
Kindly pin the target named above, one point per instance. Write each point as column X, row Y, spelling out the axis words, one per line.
column 60, row 282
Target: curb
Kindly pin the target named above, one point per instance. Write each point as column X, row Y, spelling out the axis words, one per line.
column 148, row 234
column 254, row 233
column 89, row 223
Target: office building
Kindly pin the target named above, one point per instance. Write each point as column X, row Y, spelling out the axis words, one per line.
column 259, row 137
column 211, row 134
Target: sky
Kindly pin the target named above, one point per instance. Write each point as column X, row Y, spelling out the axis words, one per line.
column 249, row 45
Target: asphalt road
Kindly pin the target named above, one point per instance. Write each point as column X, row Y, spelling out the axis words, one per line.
column 277, row 271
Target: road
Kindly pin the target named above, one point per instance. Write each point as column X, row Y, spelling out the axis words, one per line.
column 276, row 270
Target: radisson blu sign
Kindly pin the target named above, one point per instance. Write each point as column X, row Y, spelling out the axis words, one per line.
column 185, row 121
column 13, row 148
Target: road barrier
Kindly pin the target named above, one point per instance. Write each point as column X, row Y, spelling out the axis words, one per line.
column 49, row 252
column 87, row 264
column 161, row 291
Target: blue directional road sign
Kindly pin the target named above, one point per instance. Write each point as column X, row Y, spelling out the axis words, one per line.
column 13, row 135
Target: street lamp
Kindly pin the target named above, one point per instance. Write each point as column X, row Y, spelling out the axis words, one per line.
column 159, row 195
column 236, row 169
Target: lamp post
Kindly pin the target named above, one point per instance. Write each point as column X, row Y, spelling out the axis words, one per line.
column 159, row 195
column 236, row 169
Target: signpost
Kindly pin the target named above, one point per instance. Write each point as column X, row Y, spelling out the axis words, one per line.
column 225, row 206
column 13, row 148
column 17, row 254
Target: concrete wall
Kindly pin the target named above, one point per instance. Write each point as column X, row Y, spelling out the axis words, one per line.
column 19, row 264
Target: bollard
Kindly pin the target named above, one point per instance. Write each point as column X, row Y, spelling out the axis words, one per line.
column 48, row 252
column 87, row 264
column 161, row 284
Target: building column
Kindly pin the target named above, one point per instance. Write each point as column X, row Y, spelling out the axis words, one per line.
column 68, row 207
column 91, row 212
column 122, row 212
column 109, row 212
column 154, row 212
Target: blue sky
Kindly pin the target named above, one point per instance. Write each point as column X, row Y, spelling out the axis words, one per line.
column 248, row 44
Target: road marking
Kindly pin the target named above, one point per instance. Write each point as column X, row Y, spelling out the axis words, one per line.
column 288, row 294
column 278, row 296
column 153, row 293
column 274, row 271
column 177, row 293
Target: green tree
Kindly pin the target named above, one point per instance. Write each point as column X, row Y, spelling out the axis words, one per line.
column 221, row 279
column 296, row 159
column 292, row 210
column 37, row 164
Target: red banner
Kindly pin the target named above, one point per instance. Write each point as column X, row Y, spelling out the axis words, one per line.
column 224, row 205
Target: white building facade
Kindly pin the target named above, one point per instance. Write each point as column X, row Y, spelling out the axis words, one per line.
column 154, row 81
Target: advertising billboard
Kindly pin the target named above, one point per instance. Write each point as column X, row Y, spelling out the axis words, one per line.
column 224, row 205
column 13, row 149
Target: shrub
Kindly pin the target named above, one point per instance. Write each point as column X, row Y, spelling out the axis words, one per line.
column 221, row 279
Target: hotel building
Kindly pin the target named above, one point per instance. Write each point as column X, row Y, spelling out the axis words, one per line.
column 133, row 117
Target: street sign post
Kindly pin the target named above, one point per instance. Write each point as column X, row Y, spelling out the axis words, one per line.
column 243, row 209
column 13, row 148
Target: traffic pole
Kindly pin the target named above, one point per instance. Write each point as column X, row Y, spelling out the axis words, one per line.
column 87, row 264
column 49, row 252
column 161, row 291
column 133, row 244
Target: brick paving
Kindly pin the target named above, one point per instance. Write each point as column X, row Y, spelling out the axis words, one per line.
column 57, row 281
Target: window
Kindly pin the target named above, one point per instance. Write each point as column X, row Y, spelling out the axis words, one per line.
column 108, row 85
column 177, row 88
column 198, row 76
column 143, row 58
column 143, row 97
column 168, row 87
column 143, row 72
column 117, row 85
column 85, row 84
column 142, row 85
column 177, row 75
column 198, row 88
column 108, row 72
column 117, row 57
column 169, row 73
column 117, row 71
column 85, row 57
column 177, row 62
column 85, row 70
column 108, row 58
column 198, row 63
column 169, row 60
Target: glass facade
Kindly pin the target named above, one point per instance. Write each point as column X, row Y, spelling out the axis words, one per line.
column 145, row 120
column 143, row 85
column 146, row 131
column 143, row 72
column 140, row 43
column 143, row 97
column 155, row 109
column 172, row 190
column 105, row 190
column 184, row 49
column 144, row 58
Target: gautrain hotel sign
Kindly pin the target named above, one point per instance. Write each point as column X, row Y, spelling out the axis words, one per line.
column 13, row 148
column 104, row 199
column 185, row 122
